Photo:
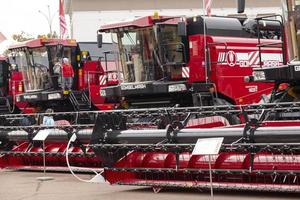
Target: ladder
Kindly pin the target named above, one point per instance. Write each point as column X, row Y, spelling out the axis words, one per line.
column 80, row 100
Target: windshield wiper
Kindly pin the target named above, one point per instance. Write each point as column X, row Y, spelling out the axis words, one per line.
column 130, row 38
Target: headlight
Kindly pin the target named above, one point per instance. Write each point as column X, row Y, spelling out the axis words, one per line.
column 259, row 76
column 54, row 96
column 102, row 93
column 177, row 88
column 18, row 99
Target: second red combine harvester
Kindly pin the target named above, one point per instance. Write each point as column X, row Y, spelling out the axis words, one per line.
column 37, row 79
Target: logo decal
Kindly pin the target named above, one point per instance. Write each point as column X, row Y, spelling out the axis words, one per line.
column 231, row 58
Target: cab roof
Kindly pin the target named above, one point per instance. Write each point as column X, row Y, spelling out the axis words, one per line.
column 141, row 22
column 34, row 43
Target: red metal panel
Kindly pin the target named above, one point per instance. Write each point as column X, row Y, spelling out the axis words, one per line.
column 139, row 23
column 41, row 42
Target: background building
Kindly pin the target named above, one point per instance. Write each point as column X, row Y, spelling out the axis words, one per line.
column 86, row 16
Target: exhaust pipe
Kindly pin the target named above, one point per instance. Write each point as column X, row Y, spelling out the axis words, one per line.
column 240, row 6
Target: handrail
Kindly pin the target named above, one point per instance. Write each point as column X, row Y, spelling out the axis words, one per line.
column 216, row 43
column 89, row 89
column 269, row 44
column 260, row 45
column 74, row 101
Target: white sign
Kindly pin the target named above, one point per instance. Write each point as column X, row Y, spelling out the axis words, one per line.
column 297, row 68
column 208, row 146
column 42, row 135
column 177, row 87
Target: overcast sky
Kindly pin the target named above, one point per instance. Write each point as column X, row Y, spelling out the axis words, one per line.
column 23, row 15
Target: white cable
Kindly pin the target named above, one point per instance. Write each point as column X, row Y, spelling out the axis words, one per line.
column 72, row 139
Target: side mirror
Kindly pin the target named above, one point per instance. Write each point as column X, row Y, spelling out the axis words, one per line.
column 182, row 29
column 240, row 6
column 99, row 40
column 59, row 52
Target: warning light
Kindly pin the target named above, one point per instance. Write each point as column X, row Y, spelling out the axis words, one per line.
column 71, row 41
column 78, row 57
column 155, row 15
column 80, row 72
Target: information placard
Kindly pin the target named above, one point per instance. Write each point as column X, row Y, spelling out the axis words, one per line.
column 208, row 146
column 42, row 135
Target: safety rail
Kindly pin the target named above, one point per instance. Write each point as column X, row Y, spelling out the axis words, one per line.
column 74, row 102
column 58, row 154
column 260, row 45
column 217, row 43
column 173, row 111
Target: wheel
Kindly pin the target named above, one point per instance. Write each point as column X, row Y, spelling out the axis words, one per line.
column 232, row 119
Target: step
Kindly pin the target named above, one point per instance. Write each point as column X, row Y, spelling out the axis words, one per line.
column 3, row 107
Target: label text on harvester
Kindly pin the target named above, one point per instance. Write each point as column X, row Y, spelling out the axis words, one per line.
column 32, row 96
column 297, row 68
column 133, row 87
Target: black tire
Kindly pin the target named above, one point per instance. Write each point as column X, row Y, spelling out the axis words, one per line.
column 232, row 119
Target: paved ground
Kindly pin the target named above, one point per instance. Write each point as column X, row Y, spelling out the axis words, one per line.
column 25, row 186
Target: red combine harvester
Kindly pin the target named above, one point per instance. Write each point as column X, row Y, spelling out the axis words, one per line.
column 38, row 67
column 173, row 61
column 34, row 85
column 4, row 100
column 262, row 154
column 164, row 62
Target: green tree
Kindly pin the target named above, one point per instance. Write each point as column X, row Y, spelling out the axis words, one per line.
column 21, row 37
column 52, row 35
column 49, row 35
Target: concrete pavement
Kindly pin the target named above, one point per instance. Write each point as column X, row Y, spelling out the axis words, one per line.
column 24, row 186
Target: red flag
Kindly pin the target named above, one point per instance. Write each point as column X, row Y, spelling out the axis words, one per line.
column 207, row 4
column 2, row 37
column 62, row 21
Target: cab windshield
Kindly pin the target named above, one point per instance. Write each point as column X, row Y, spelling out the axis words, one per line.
column 138, row 51
column 56, row 54
column 147, row 53
column 1, row 73
column 34, row 65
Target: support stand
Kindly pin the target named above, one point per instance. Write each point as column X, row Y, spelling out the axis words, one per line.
column 210, row 178
column 42, row 136
column 208, row 147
